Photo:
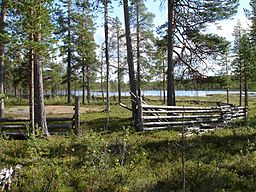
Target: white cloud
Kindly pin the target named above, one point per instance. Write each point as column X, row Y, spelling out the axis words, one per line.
column 226, row 28
column 99, row 35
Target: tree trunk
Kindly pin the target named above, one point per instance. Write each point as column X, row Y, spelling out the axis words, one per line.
column 133, row 83
column 240, row 84
column 106, row 53
column 88, row 82
column 227, row 95
column 118, row 65
column 31, row 88
column 69, row 70
column 40, row 117
column 15, row 90
column 170, row 70
column 245, row 85
column 164, row 76
column 39, row 109
column 227, row 76
column 101, row 76
column 83, row 83
column 138, row 47
column 2, row 49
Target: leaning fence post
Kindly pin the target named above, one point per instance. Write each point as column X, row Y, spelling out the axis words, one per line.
column 77, row 115
column 140, row 114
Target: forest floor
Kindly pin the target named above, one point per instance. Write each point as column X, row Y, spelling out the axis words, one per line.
column 49, row 109
column 111, row 156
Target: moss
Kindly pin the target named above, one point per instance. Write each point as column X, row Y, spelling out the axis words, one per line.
column 111, row 156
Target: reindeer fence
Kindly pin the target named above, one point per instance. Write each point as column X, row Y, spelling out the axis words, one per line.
column 20, row 127
column 153, row 117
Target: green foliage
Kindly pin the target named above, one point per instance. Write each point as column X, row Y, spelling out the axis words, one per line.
column 120, row 159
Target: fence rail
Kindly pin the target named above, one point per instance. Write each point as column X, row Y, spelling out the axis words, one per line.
column 153, row 117
column 20, row 127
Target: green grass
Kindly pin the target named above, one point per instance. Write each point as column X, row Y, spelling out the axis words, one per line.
column 111, row 156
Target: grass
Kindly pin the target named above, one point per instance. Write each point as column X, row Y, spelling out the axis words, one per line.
column 111, row 156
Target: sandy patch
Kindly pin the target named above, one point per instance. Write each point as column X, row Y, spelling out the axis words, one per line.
column 50, row 109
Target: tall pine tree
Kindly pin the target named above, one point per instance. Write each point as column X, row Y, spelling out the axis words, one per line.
column 186, row 21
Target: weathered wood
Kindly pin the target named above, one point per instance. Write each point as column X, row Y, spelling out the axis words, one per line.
column 125, row 106
column 155, row 128
column 178, row 107
column 196, row 101
column 178, row 122
column 178, row 117
column 8, row 127
column 77, row 116
column 56, row 125
column 140, row 114
column 182, row 111
column 11, row 120
column 67, row 126
column 52, row 119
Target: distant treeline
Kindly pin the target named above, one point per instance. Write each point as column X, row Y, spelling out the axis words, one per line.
column 205, row 83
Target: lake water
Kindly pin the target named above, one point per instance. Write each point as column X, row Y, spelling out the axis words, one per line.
column 177, row 92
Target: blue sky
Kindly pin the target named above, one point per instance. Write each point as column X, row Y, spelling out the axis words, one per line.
column 223, row 28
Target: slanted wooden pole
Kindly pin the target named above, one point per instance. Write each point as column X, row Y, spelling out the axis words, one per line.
column 77, row 115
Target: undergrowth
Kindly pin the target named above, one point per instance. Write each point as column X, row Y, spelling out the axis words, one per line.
column 113, row 157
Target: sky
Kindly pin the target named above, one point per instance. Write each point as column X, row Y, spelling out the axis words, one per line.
column 222, row 28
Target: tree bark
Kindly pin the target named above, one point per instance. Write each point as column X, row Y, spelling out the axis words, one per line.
column 31, row 88
column 88, row 82
column 170, row 70
column 118, row 65
column 39, row 108
column 164, row 76
column 227, row 76
column 240, row 83
column 2, row 50
column 83, row 83
column 40, row 116
column 245, row 85
column 138, row 47
column 106, row 53
column 69, row 70
column 133, row 83
column 101, row 76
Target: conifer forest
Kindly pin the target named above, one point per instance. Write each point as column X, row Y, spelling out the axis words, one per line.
column 127, row 95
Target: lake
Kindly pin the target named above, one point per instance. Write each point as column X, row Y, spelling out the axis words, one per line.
column 191, row 93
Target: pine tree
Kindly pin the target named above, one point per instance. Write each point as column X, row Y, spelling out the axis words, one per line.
column 85, row 44
column 106, row 6
column 65, row 21
column 34, row 30
column 237, row 61
column 246, row 58
column 117, row 50
column 2, row 51
column 106, row 23
column 142, row 21
column 133, row 83
column 186, row 21
column 160, row 60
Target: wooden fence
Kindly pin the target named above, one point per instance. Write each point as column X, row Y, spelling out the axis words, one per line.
column 20, row 127
column 152, row 117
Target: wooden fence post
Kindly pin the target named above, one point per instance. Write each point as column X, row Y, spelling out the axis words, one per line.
column 77, row 115
column 246, row 110
column 140, row 114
